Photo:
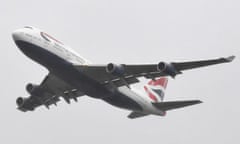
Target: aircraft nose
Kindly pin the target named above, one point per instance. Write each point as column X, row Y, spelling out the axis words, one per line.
column 17, row 34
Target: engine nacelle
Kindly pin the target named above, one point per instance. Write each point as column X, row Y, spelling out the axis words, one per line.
column 31, row 88
column 21, row 101
column 23, row 105
column 167, row 68
column 115, row 69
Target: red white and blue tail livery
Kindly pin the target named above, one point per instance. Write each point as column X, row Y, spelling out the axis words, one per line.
column 156, row 89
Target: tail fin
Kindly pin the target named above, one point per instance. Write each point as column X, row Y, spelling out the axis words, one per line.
column 156, row 89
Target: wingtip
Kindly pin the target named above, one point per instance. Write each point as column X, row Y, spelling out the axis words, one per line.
column 198, row 101
column 230, row 58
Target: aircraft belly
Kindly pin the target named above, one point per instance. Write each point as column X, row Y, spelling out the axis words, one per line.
column 124, row 97
column 63, row 69
column 122, row 101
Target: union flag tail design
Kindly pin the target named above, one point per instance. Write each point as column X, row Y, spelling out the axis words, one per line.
column 155, row 89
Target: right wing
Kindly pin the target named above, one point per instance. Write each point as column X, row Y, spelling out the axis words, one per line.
column 165, row 106
column 47, row 93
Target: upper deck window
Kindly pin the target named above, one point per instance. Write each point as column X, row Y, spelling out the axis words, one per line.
column 47, row 37
column 28, row 27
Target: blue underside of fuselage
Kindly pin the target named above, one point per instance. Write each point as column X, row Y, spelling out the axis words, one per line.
column 75, row 77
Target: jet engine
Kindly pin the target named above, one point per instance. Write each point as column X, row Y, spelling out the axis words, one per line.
column 21, row 101
column 31, row 88
column 115, row 69
column 23, row 104
column 167, row 69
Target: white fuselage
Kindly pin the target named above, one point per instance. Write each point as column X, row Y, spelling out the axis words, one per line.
column 39, row 39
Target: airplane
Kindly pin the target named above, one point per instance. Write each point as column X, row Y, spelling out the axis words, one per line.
column 71, row 76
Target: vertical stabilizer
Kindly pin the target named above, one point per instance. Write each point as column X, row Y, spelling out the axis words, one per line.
column 155, row 89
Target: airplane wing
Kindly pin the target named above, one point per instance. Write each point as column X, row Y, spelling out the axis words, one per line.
column 120, row 75
column 165, row 106
column 47, row 93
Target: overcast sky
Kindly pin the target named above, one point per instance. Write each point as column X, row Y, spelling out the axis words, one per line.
column 127, row 31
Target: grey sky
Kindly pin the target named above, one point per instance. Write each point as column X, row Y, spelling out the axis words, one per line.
column 127, row 31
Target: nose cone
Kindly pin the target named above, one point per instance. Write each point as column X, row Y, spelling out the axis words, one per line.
column 17, row 35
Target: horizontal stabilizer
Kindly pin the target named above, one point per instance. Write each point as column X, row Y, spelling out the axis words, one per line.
column 165, row 106
column 134, row 115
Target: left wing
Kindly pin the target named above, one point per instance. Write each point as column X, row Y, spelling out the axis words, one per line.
column 127, row 74
column 47, row 93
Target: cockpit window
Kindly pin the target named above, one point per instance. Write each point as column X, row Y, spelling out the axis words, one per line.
column 47, row 37
column 28, row 27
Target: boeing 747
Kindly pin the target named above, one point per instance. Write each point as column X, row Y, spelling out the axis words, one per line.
column 71, row 76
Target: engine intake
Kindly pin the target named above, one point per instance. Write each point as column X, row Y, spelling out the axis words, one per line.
column 167, row 68
column 31, row 88
column 23, row 104
column 21, row 101
column 115, row 69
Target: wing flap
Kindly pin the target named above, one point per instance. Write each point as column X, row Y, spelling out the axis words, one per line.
column 165, row 106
